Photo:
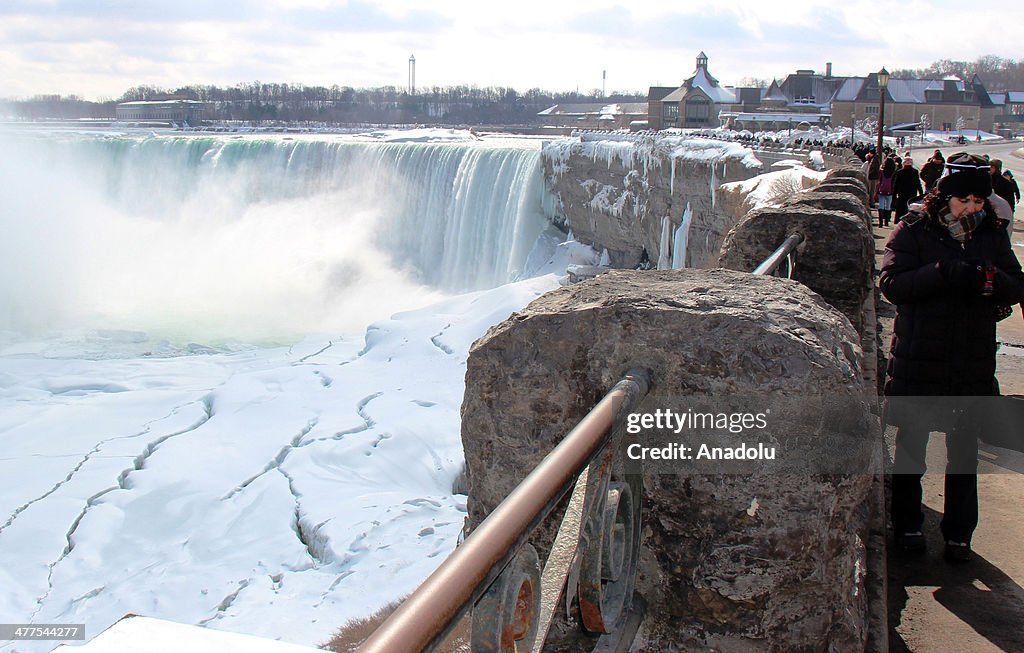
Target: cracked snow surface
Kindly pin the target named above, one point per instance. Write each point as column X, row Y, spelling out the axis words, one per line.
column 271, row 491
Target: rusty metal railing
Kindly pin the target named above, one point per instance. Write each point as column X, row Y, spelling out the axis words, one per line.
column 497, row 574
column 786, row 253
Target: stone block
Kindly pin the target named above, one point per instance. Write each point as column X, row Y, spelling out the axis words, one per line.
column 836, row 259
column 752, row 562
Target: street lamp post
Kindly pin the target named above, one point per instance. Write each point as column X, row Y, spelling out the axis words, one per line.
column 883, row 82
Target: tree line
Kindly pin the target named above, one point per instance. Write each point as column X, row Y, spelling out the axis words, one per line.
column 996, row 73
column 260, row 101
column 457, row 105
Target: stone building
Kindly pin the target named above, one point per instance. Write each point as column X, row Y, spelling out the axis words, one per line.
column 695, row 104
column 947, row 102
column 802, row 99
column 165, row 111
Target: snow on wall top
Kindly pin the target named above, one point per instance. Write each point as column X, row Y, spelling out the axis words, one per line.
column 644, row 150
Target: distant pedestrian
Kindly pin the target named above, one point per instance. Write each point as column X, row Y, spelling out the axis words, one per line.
column 932, row 170
column 948, row 266
column 885, row 192
column 873, row 170
column 1001, row 186
column 1013, row 185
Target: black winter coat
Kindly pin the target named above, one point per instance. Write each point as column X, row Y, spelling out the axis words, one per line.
column 930, row 173
column 944, row 341
column 907, row 183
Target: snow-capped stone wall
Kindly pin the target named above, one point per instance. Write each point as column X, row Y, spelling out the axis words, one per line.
column 759, row 561
column 647, row 195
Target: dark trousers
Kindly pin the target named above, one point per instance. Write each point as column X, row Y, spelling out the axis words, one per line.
column 960, row 514
column 899, row 206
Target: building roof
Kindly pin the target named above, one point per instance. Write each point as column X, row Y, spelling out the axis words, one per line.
column 748, row 95
column 914, row 91
column 706, row 83
column 658, row 93
column 774, row 93
column 806, row 88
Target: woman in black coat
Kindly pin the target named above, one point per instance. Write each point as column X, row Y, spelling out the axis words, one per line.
column 906, row 186
column 948, row 266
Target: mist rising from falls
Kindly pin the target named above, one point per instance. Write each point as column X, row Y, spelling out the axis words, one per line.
column 244, row 238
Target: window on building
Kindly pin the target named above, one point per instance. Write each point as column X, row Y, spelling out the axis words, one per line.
column 698, row 111
column 871, row 110
column 947, row 126
column 670, row 113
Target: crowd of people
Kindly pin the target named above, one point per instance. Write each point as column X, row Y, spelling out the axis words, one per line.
column 950, row 270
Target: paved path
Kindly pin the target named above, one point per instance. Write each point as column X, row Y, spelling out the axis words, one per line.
column 976, row 607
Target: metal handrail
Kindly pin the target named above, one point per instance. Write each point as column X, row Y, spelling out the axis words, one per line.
column 783, row 253
column 426, row 617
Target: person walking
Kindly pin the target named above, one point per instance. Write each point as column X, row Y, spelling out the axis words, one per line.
column 885, row 192
column 1001, row 186
column 947, row 267
column 932, row 170
column 1008, row 174
column 906, row 187
column 873, row 170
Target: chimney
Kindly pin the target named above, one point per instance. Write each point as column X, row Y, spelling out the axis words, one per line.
column 828, row 70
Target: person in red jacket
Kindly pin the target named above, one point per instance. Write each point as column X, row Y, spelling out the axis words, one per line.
column 948, row 267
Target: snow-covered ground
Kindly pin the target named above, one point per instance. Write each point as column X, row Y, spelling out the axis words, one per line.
column 271, row 491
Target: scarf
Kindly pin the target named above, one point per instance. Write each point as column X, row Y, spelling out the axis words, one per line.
column 963, row 229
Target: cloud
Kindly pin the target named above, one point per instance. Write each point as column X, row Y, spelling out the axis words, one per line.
column 363, row 17
column 671, row 30
column 133, row 11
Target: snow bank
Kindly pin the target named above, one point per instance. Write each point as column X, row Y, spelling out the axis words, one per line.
column 277, row 492
column 423, row 135
column 766, row 189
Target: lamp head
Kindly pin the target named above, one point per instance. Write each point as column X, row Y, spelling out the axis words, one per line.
column 883, row 78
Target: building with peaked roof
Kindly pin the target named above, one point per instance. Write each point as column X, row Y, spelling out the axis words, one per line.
column 802, row 99
column 947, row 102
column 1009, row 111
column 696, row 103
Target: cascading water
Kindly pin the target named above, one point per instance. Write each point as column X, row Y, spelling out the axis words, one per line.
column 681, row 239
column 245, row 237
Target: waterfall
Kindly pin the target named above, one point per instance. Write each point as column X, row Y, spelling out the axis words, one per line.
column 201, row 230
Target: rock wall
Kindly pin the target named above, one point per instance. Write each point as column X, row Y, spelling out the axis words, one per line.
column 743, row 562
column 632, row 197
column 836, row 259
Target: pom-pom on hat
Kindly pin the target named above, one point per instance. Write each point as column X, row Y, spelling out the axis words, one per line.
column 968, row 175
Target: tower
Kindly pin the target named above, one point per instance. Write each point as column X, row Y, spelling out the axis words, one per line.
column 412, row 75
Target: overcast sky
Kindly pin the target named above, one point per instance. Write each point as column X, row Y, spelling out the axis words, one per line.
column 97, row 48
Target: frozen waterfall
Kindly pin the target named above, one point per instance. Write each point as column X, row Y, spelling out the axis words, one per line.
column 277, row 233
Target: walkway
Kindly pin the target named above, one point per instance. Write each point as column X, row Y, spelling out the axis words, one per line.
column 978, row 607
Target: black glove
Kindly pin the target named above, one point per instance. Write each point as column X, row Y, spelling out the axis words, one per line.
column 963, row 276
